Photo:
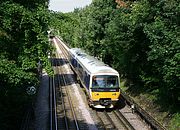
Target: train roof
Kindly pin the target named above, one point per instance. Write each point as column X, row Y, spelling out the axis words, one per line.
column 91, row 64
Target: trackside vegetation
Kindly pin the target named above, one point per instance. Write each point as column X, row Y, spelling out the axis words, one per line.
column 140, row 39
column 23, row 43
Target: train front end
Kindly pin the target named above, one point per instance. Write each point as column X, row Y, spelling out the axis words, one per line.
column 105, row 90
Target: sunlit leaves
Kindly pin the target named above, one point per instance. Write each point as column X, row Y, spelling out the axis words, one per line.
column 23, row 42
column 140, row 40
column 11, row 75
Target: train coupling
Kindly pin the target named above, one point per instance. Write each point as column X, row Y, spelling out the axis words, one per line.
column 105, row 101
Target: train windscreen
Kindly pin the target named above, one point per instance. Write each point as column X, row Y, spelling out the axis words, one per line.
column 105, row 81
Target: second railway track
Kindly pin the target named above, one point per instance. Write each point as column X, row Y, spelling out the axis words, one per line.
column 65, row 110
column 113, row 119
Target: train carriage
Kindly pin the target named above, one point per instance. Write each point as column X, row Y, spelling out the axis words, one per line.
column 100, row 81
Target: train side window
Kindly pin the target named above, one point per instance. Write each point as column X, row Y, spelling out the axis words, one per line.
column 84, row 76
column 75, row 63
column 87, row 80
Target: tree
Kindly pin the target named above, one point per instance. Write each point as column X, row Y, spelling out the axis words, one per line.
column 23, row 38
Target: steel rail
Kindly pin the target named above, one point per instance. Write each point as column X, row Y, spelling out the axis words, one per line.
column 64, row 47
column 54, row 100
column 109, row 118
column 69, row 100
column 100, row 120
column 141, row 112
column 50, row 103
column 151, row 121
column 64, row 109
column 61, row 96
column 73, row 112
column 52, row 96
column 124, row 121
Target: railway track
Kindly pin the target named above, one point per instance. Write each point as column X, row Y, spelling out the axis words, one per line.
column 109, row 120
column 61, row 113
column 113, row 119
column 106, row 121
column 122, row 119
column 65, row 110
column 52, row 100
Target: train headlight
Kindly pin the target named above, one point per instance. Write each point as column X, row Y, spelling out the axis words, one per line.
column 97, row 94
column 114, row 94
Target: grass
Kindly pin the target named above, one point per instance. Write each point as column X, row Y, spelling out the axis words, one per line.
column 175, row 122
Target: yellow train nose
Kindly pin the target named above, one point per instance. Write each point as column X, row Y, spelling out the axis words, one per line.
column 98, row 95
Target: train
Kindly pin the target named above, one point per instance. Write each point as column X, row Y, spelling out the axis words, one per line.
column 101, row 82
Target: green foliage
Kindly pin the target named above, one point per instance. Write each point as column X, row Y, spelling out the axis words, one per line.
column 23, row 42
column 63, row 25
column 140, row 40
column 175, row 124
column 13, row 75
column 164, row 47
column 93, row 23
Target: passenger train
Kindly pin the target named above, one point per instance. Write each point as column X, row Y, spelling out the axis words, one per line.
column 100, row 81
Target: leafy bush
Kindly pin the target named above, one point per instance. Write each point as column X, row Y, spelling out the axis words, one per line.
column 24, row 41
